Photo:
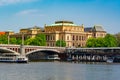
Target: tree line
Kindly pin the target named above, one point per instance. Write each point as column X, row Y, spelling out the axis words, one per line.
column 39, row 40
column 108, row 41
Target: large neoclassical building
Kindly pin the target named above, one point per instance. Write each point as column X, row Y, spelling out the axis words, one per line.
column 74, row 35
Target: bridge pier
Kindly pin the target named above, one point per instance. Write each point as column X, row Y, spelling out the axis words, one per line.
column 22, row 50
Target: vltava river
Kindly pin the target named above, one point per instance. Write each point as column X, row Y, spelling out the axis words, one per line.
column 59, row 71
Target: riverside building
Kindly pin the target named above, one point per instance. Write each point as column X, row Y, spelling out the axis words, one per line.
column 28, row 32
column 71, row 33
column 74, row 35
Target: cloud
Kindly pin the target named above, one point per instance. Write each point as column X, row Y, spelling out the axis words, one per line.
column 7, row 2
column 31, row 12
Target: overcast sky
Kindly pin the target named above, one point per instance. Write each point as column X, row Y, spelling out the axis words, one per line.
column 17, row 14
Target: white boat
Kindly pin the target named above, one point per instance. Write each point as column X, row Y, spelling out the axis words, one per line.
column 14, row 59
column 21, row 59
column 110, row 60
column 53, row 57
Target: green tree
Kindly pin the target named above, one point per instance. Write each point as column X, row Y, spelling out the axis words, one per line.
column 19, row 41
column 60, row 43
column 39, row 40
column 13, row 41
column 3, row 39
column 31, row 41
column 110, row 41
column 118, row 38
column 99, row 42
column 91, row 42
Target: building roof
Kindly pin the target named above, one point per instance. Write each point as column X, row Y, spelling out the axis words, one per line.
column 98, row 28
column 69, row 22
column 88, row 29
column 95, row 28
column 1, row 33
column 35, row 27
column 63, row 23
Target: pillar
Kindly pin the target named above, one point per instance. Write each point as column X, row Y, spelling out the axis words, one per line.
column 22, row 50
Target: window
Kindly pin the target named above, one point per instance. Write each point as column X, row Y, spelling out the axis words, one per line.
column 76, row 38
column 80, row 38
column 67, row 37
column 53, row 37
column 73, row 37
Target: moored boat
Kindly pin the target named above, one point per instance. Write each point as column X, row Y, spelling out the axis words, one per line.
column 22, row 59
column 53, row 57
column 14, row 59
column 110, row 60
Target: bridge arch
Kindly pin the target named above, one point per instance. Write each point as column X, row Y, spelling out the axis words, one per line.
column 41, row 54
column 5, row 50
column 51, row 50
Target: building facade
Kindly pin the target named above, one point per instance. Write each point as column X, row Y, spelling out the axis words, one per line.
column 28, row 32
column 97, row 31
column 72, row 34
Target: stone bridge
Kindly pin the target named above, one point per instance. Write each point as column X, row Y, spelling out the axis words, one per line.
column 31, row 51
column 42, row 52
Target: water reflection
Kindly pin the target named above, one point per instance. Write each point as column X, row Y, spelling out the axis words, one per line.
column 59, row 71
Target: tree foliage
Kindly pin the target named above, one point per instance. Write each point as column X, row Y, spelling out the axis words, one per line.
column 3, row 39
column 60, row 43
column 118, row 38
column 42, row 39
column 13, row 41
column 90, row 42
column 39, row 40
column 108, row 41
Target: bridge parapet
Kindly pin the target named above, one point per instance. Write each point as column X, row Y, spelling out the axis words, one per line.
column 29, row 48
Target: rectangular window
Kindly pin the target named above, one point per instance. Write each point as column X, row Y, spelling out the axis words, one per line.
column 67, row 37
column 76, row 38
column 73, row 37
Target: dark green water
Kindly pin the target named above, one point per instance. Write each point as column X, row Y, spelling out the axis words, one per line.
column 59, row 71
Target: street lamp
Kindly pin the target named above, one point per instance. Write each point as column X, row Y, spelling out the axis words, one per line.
column 22, row 38
column 8, row 38
column 22, row 46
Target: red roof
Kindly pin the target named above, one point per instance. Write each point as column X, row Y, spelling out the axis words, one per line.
column 1, row 33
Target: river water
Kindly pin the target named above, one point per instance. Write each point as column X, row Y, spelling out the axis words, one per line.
column 59, row 71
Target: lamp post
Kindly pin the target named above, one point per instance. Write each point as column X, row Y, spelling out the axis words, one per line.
column 8, row 39
column 22, row 46
column 22, row 38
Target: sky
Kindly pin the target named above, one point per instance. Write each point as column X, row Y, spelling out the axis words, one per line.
column 17, row 14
